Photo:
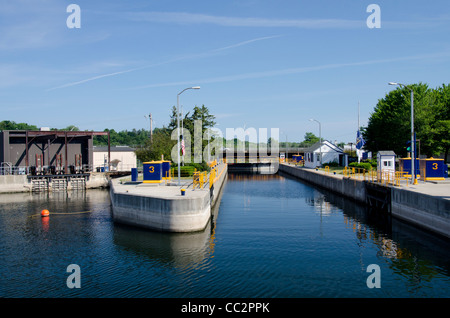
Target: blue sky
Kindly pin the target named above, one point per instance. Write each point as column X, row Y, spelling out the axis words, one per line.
column 262, row 64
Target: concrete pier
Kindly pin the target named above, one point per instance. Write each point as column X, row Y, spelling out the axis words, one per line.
column 426, row 205
column 23, row 183
column 162, row 207
column 350, row 188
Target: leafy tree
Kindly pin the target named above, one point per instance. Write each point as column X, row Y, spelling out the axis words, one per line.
column 309, row 140
column 132, row 138
column 199, row 113
column 11, row 125
column 68, row 128
column 442, row 124
column 389, row 126
column 160, row 144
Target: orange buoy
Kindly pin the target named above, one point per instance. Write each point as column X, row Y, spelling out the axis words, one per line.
column 45, row 213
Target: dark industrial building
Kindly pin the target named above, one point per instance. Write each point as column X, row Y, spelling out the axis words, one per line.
column 47, row 152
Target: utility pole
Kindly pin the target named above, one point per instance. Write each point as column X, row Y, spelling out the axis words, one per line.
column 151, row 128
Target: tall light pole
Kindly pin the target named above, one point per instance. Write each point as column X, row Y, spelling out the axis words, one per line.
column 182, row 130
column 413, row 141
column 151, row 127
column 178, row 126
column 320, row 138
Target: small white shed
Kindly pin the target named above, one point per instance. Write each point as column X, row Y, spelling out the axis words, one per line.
column 330, row 153
column 386, row 161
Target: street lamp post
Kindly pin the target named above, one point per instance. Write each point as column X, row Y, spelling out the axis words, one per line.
column 320, row 138
column 413, row 141
column 178, row 126
column 182, row 131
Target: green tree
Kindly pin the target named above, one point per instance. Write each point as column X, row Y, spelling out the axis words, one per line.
column 389, row 126
column 198, row 113
column 309, row 140
column 161, row 144
column 68, row 128
column 442, row 124
column 12, row 125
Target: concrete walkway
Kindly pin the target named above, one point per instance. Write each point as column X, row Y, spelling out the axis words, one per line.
column 158, row 190
column 439, row 189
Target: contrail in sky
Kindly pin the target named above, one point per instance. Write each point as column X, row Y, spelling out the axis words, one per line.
column 295, row 70
column 211, row 52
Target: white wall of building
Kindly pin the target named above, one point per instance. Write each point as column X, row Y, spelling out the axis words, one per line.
column 121, row 160
column 312, row 159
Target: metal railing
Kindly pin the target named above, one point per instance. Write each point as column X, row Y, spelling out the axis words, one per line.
column 12, row 170
column 200, row 179
column 7, row 168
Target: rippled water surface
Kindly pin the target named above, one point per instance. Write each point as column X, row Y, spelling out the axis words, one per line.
column 271, row 236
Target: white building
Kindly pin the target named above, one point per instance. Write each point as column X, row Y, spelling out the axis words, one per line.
column 330, row 153
column 386, row 161
column 123, row 158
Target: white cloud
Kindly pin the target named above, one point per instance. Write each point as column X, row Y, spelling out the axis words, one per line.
column 295, row 70
column 196, row 18
column 186, row 57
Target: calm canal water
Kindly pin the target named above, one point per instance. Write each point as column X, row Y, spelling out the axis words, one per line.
column 272, row 236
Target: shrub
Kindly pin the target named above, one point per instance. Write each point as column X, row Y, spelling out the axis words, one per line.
column 332, row 164
column 186, row 171
column 363, row 165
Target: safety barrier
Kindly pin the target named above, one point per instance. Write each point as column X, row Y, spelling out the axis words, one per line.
column 383, row 177
column 200, row 179
column 294, row 162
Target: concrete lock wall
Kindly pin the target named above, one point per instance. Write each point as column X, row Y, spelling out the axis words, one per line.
column 432, row 213
column 176, row 215
column 426, row 211
column 14, row 183
column 164, row 209
column 349, row 188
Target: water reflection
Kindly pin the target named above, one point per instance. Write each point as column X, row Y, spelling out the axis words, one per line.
column 270, row 236
column 178, row 250
column 415, row 254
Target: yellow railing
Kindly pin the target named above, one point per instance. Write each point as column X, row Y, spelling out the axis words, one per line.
column 293, row 162
column 357, row 173
column 385, row 177
column 199, row 179
column 212, row 176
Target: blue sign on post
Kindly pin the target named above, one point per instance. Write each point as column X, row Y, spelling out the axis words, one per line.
column 432, row 169
column 134, row 174
column 405, row 166
column 166, row 170
column 297, row 158
column 152, row 172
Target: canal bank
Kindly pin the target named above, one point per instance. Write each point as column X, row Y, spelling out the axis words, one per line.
column 426, row 205
column 24, row 183
column 162, row 206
